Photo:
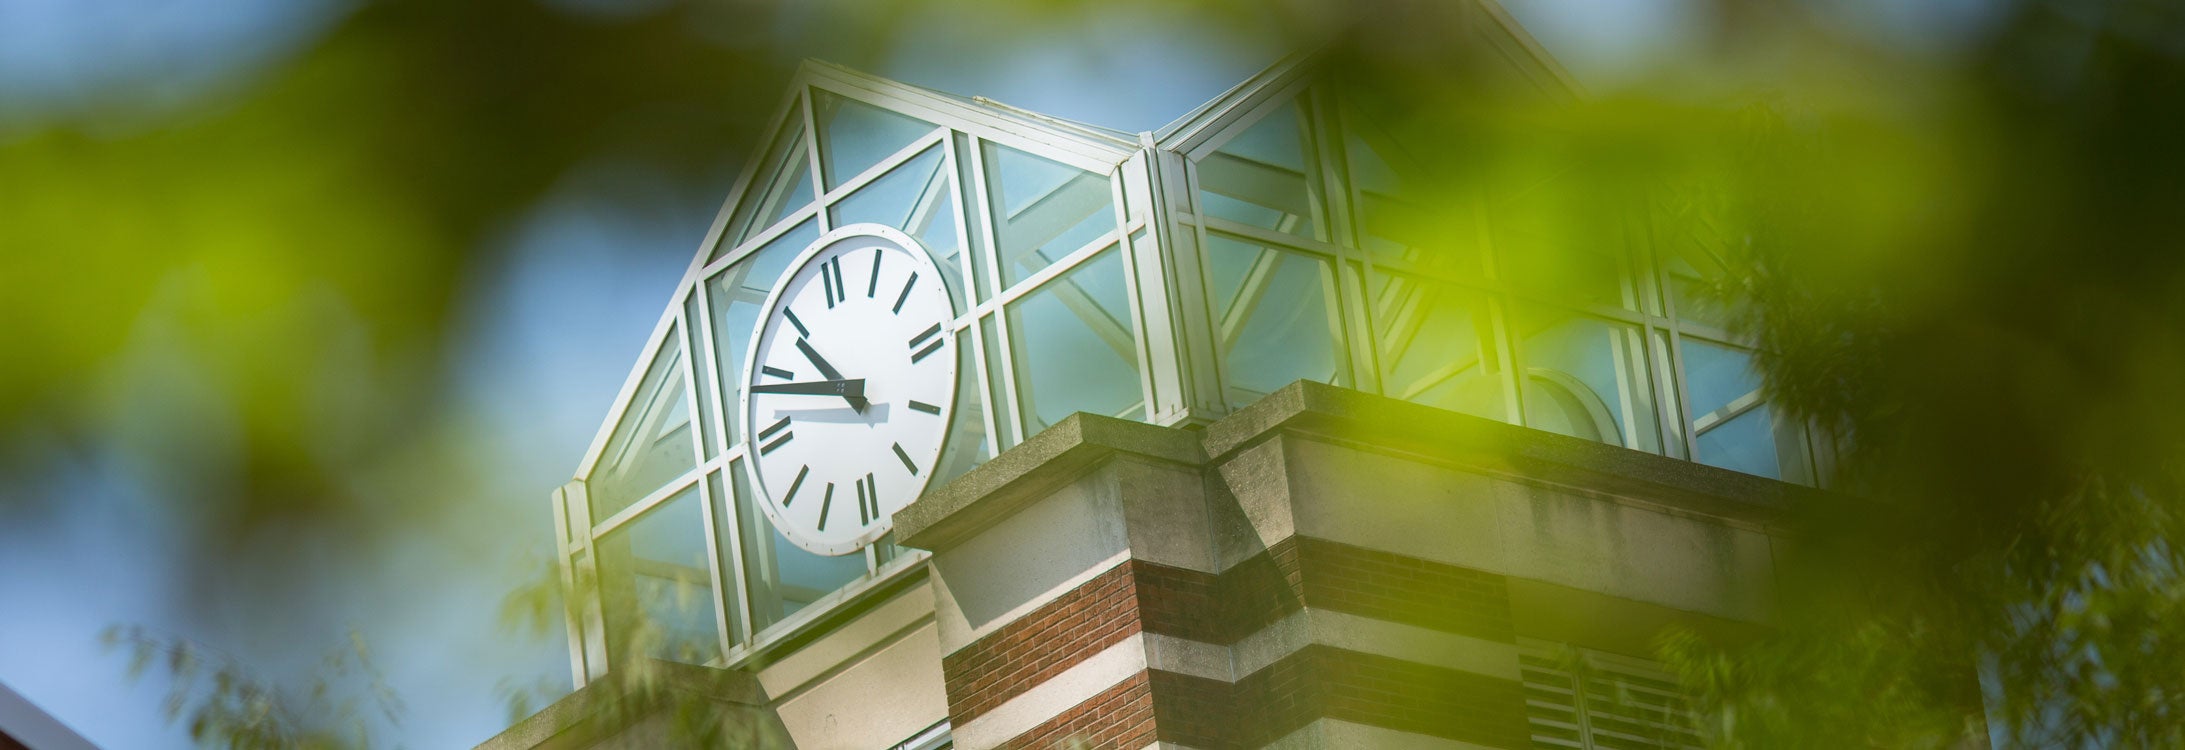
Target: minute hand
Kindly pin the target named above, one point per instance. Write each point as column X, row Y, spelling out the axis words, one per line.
column 857, row 402
column 844, row 388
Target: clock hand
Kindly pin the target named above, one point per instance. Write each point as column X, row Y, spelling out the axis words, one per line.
column 858, row 401
column 844, row 388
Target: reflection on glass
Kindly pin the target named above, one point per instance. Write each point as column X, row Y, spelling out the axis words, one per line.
column 895, row 197
column 1692, row 269
column 1586, row 377
column 1732, row 425
column 997, row 384
column 1437, row 346
column 967, row 444
column 782, row 185
column 1075, row 349
column 1665, row 391
column 737, row 294
column 1276, row 321
column 781, row 576
column 855, row 136
column 1558, row 240
column 656, row 567
column 709, row 418
column 919, row 199
column 982, row 277
column 592, row 615
column 1393, row 224
column 723, row 508
column 1043, row 210
column 652, row 443
column 1261, row 176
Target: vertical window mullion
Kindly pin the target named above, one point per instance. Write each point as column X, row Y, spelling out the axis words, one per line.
column 811, row 154
column 1324, row 153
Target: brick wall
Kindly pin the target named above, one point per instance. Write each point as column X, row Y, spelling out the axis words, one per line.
column 1036, row 647
column 1324, row 682
column 1314, row 682
column 1121, row 717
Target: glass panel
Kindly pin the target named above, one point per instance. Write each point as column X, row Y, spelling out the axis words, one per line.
column 933, row 222
column 1732, row 427
column 1587, row 378
column 1665, row 390
column 1295, row 335
column 1437, row 346
column 724, row 529
column 1692, row 270
column 891, row 199
column 996, row 378
column 1393, row 225
column 709, row 418
column 661, row 560
column 592, row 620
column 1261, row 177
column 792, row 194
column 738, row 292
column 783, row 185
column 854, row 136
column 1562, row 241
column 1075, row 350
column 782, row 577
column 981, row 275
column 652, row 443
column 967, row 440
column 1743, row 443
column 1043, row 210
column 919, row 199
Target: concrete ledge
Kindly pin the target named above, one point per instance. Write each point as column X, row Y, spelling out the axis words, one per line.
column 1030, row 470
column 1346, row 416
column 1067, row 450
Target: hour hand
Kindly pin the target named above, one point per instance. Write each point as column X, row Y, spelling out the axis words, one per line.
column 856, row 402
column 852, row 389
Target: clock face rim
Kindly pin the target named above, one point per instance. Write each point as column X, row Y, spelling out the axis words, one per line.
column 769, row 317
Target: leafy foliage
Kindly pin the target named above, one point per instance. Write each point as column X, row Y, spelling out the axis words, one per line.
column 226, row 705
column 2000, row 357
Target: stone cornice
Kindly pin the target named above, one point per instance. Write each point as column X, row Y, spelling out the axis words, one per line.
column 1030, row 470
column 1082, row 442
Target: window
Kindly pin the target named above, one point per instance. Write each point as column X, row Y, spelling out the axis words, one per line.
column 1732, row 424
column 1438, row 345
column 1262, row 176
column 1043, row 210
column 1586, row 377
column 652, row 445
column 662, row 577
column 1074, row 347
column 1275, row 318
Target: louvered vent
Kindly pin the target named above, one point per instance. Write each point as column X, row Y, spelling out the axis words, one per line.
column 1577, row 698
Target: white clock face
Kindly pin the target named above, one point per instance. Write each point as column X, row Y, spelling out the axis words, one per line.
column 849, row 387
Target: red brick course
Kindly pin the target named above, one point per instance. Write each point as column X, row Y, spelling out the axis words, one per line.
column 1121, row 717
column 1032, row 650
column 1324, row 682
column 1301, row 572
column 1295, row 573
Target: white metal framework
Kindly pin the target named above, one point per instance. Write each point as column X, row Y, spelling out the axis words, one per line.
column 1168, row 277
